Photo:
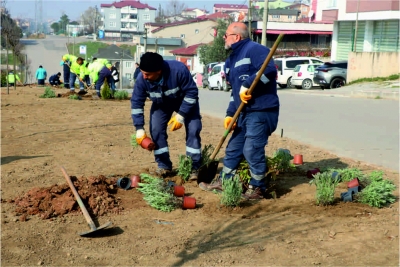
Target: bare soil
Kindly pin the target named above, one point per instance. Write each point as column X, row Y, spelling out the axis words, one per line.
column 40, row 219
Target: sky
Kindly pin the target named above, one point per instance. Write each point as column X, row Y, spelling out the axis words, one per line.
column 53, row 9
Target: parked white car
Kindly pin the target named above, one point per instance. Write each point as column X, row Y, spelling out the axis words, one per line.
column 217, row 78
column 286, row 66
column 303, row 76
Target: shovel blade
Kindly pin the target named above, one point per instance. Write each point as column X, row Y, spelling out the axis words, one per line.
column 208, row 172
column 87, row 233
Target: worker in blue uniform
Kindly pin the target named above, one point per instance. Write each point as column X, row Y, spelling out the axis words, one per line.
column 170, row 87
column 258, row 119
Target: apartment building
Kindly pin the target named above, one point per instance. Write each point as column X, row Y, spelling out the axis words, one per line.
column 193, row 12
column 227, row 8
column 122, row 20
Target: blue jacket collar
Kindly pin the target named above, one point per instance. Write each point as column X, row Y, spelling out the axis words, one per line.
column 240, row 44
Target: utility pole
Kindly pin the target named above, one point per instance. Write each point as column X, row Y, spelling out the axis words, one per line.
column 122, row 71
column 264, row 26
column 356, row 30
column 26, row 68
column 249, row 19
column 155, row 45
column 145, row 41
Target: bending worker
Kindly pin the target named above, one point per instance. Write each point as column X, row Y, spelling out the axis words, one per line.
column 170, row 86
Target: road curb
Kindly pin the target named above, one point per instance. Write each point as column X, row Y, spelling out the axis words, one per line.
column 376, row 94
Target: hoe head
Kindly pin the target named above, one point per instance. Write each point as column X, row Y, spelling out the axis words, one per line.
column 95, row 229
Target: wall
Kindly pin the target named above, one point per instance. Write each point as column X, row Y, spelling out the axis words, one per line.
column 372, row 64
column 371, row 5
column 204, row 35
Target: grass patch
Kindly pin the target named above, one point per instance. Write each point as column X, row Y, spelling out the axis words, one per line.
column 92, row 48
column 121, row 95
column 377, row 79
column 378, row 97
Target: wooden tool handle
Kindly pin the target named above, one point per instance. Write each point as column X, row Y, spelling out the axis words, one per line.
column 79, row 200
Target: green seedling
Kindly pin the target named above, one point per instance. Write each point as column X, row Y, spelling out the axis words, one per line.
column 74, row 97
column 378, row 193
column 105, row 91
column 121, row 95
column 232, row 192
column 326, row 185
column 185, row 167
column 133, row 140
column 206, row 154
column 48, row 93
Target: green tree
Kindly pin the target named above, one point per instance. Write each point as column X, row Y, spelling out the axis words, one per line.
column 215, row 52
column 64, row 21
column 55, row 26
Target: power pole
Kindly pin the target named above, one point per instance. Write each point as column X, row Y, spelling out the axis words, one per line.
column 264, row 26
column 249, row 19
column 356, row 30
column 145, row 41
column 95, row 18
column 155, row 45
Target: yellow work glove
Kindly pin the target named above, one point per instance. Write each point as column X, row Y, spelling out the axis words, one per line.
column 140, row 136
column 242, row 94
column 227, row 121
column 177, row 122
column 80, row 79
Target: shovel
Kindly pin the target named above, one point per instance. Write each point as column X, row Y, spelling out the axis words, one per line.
column 208, row 171
column 89, row 220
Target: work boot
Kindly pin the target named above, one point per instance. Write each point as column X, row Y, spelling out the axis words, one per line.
column 194, row 175
column 254, row 193
column 215, row 185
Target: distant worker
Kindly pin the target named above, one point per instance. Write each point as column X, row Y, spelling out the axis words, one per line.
column 95, row 68
column 66, row 72
column 86, row 78
column 77, row 69
column 12, row 77
column 54, row 80
column 137, row 71
column 115, row 77
column 104, row 75
column 41, row 75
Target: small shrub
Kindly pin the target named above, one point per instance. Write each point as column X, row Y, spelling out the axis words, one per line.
column 232, row 191
column 378, row 193
column 74, row 97
column 133, row 140
column 48, row 93
column 121, row 95
column 349, row 174
column 326, row 185
column 105, row 90
column 206, row 153
column 280, row 161
column 185, row 167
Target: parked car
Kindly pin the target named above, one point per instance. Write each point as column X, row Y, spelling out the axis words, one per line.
column 217, row 78
column 286, row 66
column 331, row 74
column 206, row 72
column 303, row 76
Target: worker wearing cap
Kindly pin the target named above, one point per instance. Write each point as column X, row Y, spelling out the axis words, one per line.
column 77, row 69
column 170, row 86
column 54, row 80
column 104, row 74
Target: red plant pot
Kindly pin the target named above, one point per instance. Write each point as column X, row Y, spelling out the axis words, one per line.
column 312, row 172
column 179, row 191
column 135, row 180
column 189, row 203
column 148, row 144
column 298, row 159
column 353, row 183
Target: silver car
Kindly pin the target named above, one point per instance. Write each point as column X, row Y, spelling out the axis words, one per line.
column 331, row 74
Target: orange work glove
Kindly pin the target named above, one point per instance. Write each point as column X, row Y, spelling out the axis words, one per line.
column 177, row 122
column 242, row 94
column 227, row 121
column 140, row 136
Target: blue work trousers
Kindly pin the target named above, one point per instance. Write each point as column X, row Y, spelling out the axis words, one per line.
column 72, row 78
column 249, row 140
column 159, row 117
column 67, row 75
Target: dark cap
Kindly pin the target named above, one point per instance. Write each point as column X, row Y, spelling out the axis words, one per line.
column 151, row 62
column 40, row 66
column 59, row 73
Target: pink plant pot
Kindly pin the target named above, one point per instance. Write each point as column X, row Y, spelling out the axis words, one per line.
column 353, row 183
column 135, row 180
column 298, row 159
column 312, row 172
column 148, row 144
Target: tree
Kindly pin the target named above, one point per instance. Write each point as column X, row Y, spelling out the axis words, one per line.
column 175, row 7
column 90, row 18
column 64, row 21
column 55, row 26
column 215, row 52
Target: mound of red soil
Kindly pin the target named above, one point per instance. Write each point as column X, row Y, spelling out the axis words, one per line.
column 97, row 193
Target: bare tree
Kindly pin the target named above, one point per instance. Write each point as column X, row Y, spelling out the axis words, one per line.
column 90, row 18
column 175, row 7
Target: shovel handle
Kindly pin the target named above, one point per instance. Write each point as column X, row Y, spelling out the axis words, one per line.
column 253, row 85
column 79, row 200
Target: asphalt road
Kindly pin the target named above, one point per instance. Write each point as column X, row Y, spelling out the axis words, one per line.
column 358, row 128
column 362, row 129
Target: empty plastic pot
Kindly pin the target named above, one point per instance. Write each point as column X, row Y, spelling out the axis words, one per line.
column 189, row 203
column 148, row 144
column 353, row 183
column 179, row 191
column 298, row 159
column 346, row 196
column 312, row 172
column 124, row 183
